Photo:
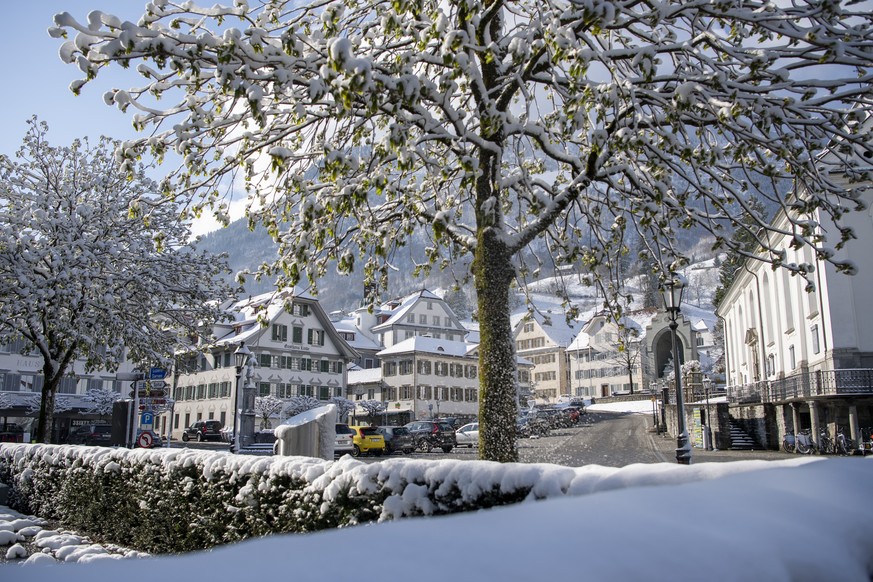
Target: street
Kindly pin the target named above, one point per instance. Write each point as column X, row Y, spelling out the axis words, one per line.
column 602, row 438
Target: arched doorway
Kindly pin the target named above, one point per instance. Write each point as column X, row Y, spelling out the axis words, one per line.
column 664, row 352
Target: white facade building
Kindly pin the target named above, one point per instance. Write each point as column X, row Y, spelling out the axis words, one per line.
column 296, row 350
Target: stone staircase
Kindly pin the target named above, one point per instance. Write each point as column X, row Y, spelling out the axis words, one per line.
column 740, row 439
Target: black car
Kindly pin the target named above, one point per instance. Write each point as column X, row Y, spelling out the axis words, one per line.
column 203, row 430
column 397, row 438
column 92, row 434
column 430, row 434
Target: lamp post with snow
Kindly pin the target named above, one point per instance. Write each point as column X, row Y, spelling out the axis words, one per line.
column 241, row 358
column 672, row 291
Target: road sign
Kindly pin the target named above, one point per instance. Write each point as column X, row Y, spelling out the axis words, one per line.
column 152, row 384
column 157, row 374
column 145, row 440
column 146, row 420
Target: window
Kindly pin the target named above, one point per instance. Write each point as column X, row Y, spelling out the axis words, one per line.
column 813, row 332
column 283, row 390
column 410, row 318
column 470, row 371
column 187, row 419
column 456, row 394
column 422, row 319
column 424, row 367
column 280, row 332
column 528, row 327
column 405, row 367
column 263, row 389
column 699, row 340
column 791, row 358
column 391, row 392
column 406, row 392
column 189, row 395
column 301, row 310
column 336, row 367
column 471, row 395
column 436, row 320
column 389, row 368
column 424, row 392
column 441, row 368
column 224, row 389
column 223, row 417
column 201, row 391
column 324, row 392
column 324, row 366
column 213, row 390
column 297, row 334
column 315, row 337
column 176, row 420
column 264, row 360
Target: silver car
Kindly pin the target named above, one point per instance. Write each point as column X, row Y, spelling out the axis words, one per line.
column 468, row 435
column 344, row 442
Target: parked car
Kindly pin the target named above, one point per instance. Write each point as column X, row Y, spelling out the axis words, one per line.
column 367, row 440
column 91, row 434
column 430, row 434
column 344, row 442
column 468, row 435
column 203, row 430
column 397, row 438
column 530, row 425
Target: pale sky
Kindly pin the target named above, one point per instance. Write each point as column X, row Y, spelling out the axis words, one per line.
column 37, row 82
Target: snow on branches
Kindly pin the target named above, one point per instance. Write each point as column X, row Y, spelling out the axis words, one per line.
column 491, row 126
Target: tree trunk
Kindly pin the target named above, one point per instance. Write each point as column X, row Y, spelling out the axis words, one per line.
column 498, row 394
column 45, row 421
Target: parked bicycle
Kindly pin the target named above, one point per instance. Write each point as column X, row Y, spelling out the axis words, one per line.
column 803, row 442
column 788, row 442
column 825, row 445
column 842, row 444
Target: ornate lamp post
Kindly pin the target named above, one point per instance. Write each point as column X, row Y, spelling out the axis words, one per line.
column 672, row 291
column 241, row 358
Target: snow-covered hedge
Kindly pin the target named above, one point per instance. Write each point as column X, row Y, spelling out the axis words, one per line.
column 176, row 500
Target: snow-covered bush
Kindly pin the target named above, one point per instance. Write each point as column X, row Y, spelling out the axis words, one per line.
column 176, row 500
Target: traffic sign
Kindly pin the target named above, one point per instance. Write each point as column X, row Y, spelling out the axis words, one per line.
column 157, row 374
column 145, row 440
column 146, row 420
column 152, row 384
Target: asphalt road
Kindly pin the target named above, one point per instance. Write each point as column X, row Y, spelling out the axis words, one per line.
column 602, row 438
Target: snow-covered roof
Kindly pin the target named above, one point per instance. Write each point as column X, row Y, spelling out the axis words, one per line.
column 399, row 312
column 553, row 324
column 364, row 376
column 429, row 345
column 362, row 341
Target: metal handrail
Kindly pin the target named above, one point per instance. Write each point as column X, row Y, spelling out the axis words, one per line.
column 846, row 382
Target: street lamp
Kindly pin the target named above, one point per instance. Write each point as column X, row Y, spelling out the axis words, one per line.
column 240, row 358
column 672, row 291
column 707, row 431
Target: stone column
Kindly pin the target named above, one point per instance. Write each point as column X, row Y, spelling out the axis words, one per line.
column 854, row 428
column 247, row 416
column 815, row 422
column 795, row 420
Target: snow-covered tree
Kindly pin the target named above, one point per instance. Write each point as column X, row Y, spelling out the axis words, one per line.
column 373, row 407
column 300, row 404
column 267, row 406
column 490, row 124
column 343, row 406
column 100, row 401
column 92, row 266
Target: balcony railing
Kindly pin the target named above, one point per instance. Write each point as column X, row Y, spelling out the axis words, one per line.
column 858, row 381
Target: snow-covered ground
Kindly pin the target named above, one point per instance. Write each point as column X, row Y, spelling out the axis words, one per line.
column 27, row 540
column 802, row 519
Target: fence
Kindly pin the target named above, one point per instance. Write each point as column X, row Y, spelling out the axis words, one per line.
column 806, row 385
